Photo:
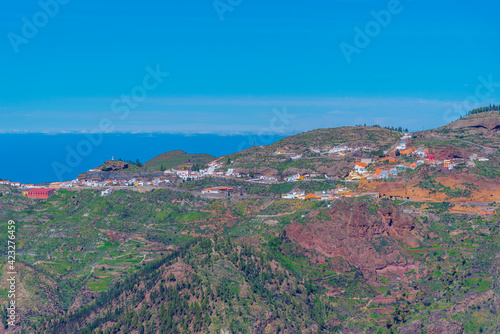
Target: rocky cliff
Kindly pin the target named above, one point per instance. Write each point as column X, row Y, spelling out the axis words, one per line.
column 367, row 236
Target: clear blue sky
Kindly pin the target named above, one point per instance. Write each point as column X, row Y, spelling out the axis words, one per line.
column 228, row 75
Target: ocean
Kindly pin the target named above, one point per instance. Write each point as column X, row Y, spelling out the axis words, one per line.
column 39, row 158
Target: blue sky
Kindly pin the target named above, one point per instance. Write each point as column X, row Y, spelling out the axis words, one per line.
column 421, row 68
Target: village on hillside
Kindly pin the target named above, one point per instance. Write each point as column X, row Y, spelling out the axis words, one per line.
column 397, row 159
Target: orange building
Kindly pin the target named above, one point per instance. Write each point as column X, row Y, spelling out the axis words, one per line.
column 407, row 152
column 487, row 213
column 217, row 189
column 312, row 196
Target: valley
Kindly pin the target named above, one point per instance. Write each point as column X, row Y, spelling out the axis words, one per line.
column 352, row 230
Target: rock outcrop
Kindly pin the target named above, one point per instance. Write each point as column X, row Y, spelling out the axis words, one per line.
column 368, row 237
column 114, row 165
column 487, row 123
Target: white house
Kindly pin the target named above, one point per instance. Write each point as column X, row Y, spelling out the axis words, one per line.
column 106, row 192
column 292, row 178
column 338, row 149
column 183, row 174
column 401, row 146
column 360, row 169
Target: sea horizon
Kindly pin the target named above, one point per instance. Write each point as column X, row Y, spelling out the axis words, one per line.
column 40, row 158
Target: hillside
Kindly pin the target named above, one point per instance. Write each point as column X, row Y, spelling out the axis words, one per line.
column 275, row 159
column 485, row 122
column 251, row 266
column 121, row 170
column 325, row 139
column 175, row 158
column 481, row 128
column 375, row 231
column 331, row 137
column 209, row 287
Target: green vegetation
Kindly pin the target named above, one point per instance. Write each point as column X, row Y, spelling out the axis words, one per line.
column 491, row 107
column 489, row 169
column 433, row 187
column 226, row 288
column 392, row 128
column 175, row 158
column 173, row 260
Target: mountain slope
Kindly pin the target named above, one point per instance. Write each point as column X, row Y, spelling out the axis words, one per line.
column 207, row 287
column 481, row 128
column 271, row 160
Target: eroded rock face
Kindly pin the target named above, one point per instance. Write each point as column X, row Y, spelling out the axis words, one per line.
column 338, row 168
column 482, row 123
column 291, row 171
column 366, row 237
column 115, row 165
column 180, row 270
column 414, row 327
column 437, row 325
column 258, row 171
column 444, row 327
column 473, row 300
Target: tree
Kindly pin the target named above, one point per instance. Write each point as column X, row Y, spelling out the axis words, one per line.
column 398, row 153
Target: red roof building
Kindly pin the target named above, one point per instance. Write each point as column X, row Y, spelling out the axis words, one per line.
column 40, row 193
